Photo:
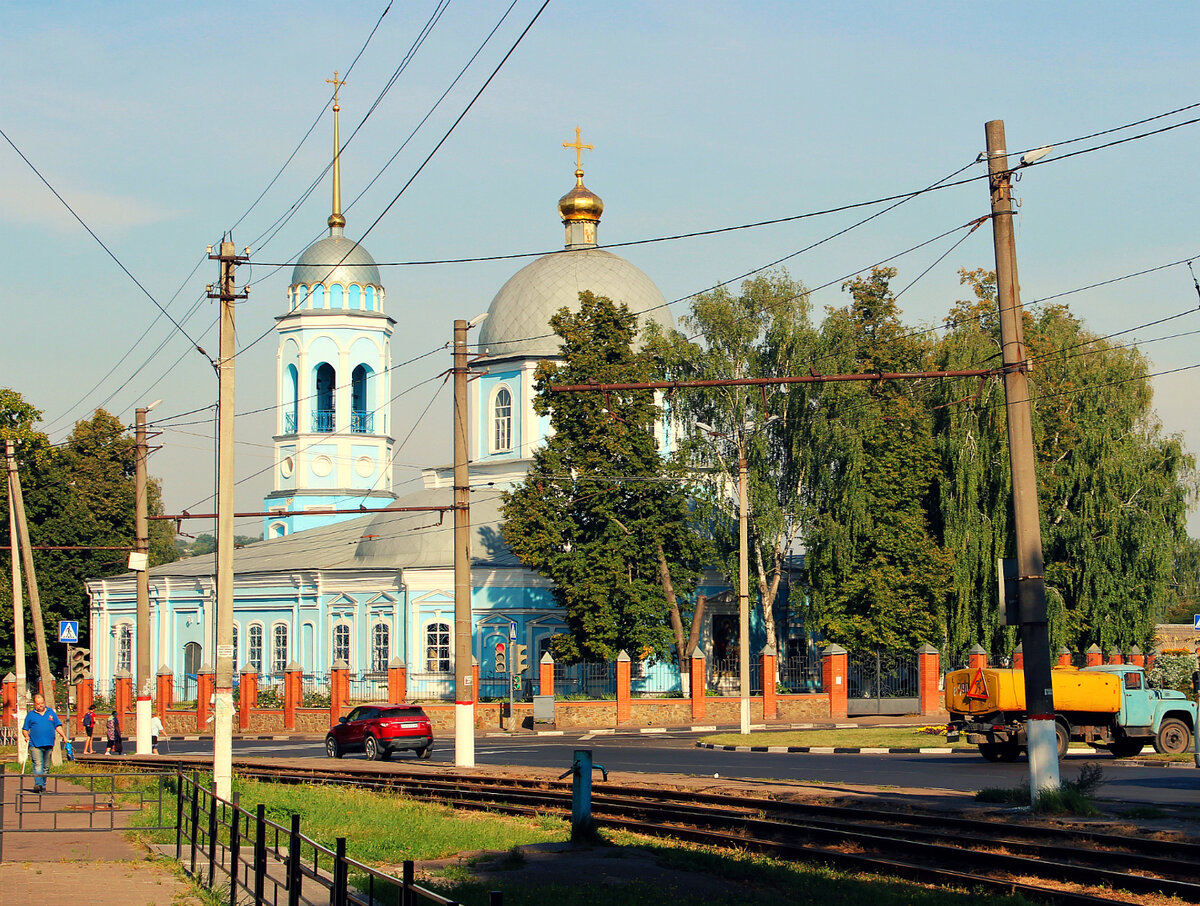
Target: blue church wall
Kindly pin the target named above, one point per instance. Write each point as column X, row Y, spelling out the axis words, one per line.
column 489, row 384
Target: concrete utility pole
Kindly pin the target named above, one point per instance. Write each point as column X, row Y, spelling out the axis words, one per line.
column 45, row 676
column 1031, row 580
column 743, row 594
column 223, row 693
column 464, row 691
column 140, row 561
column 18, row 606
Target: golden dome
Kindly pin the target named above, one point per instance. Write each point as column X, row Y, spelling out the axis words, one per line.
column 580, row 203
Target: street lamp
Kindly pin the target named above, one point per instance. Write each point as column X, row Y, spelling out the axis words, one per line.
column 743, row 431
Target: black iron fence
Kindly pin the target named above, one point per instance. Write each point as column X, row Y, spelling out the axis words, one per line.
column 883, row 682
column 244, row 854
column 800, row 673
column 582, row 681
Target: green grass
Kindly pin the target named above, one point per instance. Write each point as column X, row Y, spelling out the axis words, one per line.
column 1072, row 797
column 863, row 737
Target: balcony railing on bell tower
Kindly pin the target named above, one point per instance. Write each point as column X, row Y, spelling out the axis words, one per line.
column 289, row 423
column 323, row 421
column 362, row 422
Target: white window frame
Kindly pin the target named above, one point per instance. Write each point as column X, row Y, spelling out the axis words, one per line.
column 437, row 653
column 276, row 666
column 348, row 643
column 381, row 654
column 494, row 421
column 256, row 663
column 125, row 647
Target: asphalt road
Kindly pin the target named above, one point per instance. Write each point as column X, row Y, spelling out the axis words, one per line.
column 677, row 753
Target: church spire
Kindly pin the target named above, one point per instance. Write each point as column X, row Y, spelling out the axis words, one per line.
column 336, row 221
column 580, row 208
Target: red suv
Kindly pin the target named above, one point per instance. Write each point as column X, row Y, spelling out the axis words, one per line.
column 380, row 730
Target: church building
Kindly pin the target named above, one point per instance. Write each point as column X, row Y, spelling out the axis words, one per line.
column 369, row 589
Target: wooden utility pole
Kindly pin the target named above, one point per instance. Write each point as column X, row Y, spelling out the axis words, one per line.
column 18, row 598
column 223, row 693
column 743, row 595
column 464, row 691
column 1031, row 582
column 45, row 675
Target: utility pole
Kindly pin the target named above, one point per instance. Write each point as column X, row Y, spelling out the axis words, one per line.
column 18, row 606
column 464, row 691
column 45, row 676
column 743, row 594
column 223, row 693
column 140, row 562
column 1031, row 580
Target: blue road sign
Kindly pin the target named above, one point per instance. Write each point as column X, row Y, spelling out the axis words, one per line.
column 1196, row 622
column 68, row 631
column 512, row 630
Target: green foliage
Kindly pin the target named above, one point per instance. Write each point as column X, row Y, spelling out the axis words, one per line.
column 1186, row 599
column 80, row 493
column 599, row 499
column 205, row 543
column 1173, row 670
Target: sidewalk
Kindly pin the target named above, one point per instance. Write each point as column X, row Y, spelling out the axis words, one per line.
column 59, row 866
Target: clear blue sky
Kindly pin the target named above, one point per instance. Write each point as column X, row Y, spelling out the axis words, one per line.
column 161, row 123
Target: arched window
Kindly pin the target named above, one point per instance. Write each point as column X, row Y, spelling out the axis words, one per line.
column 355, row 297
column 291, row 410
column 235, row 647
column 318, row 296
column 341, row 642
column 125, row 647
column 370, row 306
column 502, row 421
column 381, row 637
column 323, row 415
column 279, row 647
column 278, row 529
column 437, row 648
column 337, row 297
column 254, row 647
column 191, row 658
column 360, row 414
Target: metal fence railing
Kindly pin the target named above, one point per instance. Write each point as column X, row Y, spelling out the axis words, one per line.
column 580, row 681
column 654, row 679
column 369, row 687
column 431, row 687
column 245, row 855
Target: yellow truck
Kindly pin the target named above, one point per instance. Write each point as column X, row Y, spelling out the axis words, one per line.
column 1108, row 707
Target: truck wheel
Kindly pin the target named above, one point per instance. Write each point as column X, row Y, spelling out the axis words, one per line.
column 1000, row 751
column 1173, row 738
column 990, row 750
column 1126, row 748
column 1062, row 739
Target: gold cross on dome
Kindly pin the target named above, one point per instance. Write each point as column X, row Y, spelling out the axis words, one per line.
column 579, row 147
column 336, row 83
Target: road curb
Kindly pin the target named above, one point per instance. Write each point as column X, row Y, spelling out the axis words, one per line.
column 837, row 750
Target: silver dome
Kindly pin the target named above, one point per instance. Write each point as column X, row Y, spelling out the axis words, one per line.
column 519, row 317
column 317, row 264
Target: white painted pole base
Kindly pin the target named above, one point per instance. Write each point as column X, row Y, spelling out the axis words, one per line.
column 744, row 716
column 22, row 745
column 223, row 744
column 464, row 735
column 1043, row 756
column 145, row 713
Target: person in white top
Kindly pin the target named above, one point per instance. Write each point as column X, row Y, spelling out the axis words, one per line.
column 156, row 730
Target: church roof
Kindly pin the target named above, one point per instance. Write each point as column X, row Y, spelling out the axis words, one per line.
column 320, row 263
column 519, row 316
column 388, row 541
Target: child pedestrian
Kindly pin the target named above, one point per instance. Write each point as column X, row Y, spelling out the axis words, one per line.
column 89, row 725
column 113, row 732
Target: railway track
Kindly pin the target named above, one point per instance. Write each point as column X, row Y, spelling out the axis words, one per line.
column 1054, row 865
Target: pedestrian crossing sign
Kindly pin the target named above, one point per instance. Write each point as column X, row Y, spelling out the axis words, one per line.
column 68, row 631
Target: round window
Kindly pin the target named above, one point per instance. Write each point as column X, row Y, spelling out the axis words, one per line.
column 287, row 466
column 322, row 466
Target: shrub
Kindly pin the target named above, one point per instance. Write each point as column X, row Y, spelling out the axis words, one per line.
column 1173, row 670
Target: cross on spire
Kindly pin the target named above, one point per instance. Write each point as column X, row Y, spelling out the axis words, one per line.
column 337, row 84
column 579, row 147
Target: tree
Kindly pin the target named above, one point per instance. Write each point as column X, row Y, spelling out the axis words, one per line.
column 764, row 331
column 600, row 512
column 875, row 561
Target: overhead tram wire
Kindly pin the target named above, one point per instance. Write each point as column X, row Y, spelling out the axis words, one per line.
column 424, row 163
column 315, row 122
column 107, row 250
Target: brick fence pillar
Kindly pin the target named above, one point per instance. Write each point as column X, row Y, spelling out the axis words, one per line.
column 247, row 696
column 339, row 689
column 165, row 691
column 623, row 687
column 698, row 690
column 397, row 680
column 833, row 674
column 1094, row 658
column 1019, row 657
column 976, row 657
column 293, row 693
column 546, row 675
column 770, row 693
column 123, row 700
column 1064, row 657
column 1136, row 657
column 205, row 681
column 1114, row 657
column 85, row 694
column 9, row 696
column 928, row 673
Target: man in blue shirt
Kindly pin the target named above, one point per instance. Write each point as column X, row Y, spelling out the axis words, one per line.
column 41, row 726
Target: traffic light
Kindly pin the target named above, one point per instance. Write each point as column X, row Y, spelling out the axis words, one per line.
column 520, row 658
column 501, row 658
column 81, row 665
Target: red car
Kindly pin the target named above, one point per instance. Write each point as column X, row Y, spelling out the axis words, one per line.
column 380, row 730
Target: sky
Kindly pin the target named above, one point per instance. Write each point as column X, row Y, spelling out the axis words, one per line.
column 161, row 125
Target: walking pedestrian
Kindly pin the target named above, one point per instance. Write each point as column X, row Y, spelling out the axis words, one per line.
column 113, row 732
column 156, row 730
column 40, row 728
column 89, row 726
